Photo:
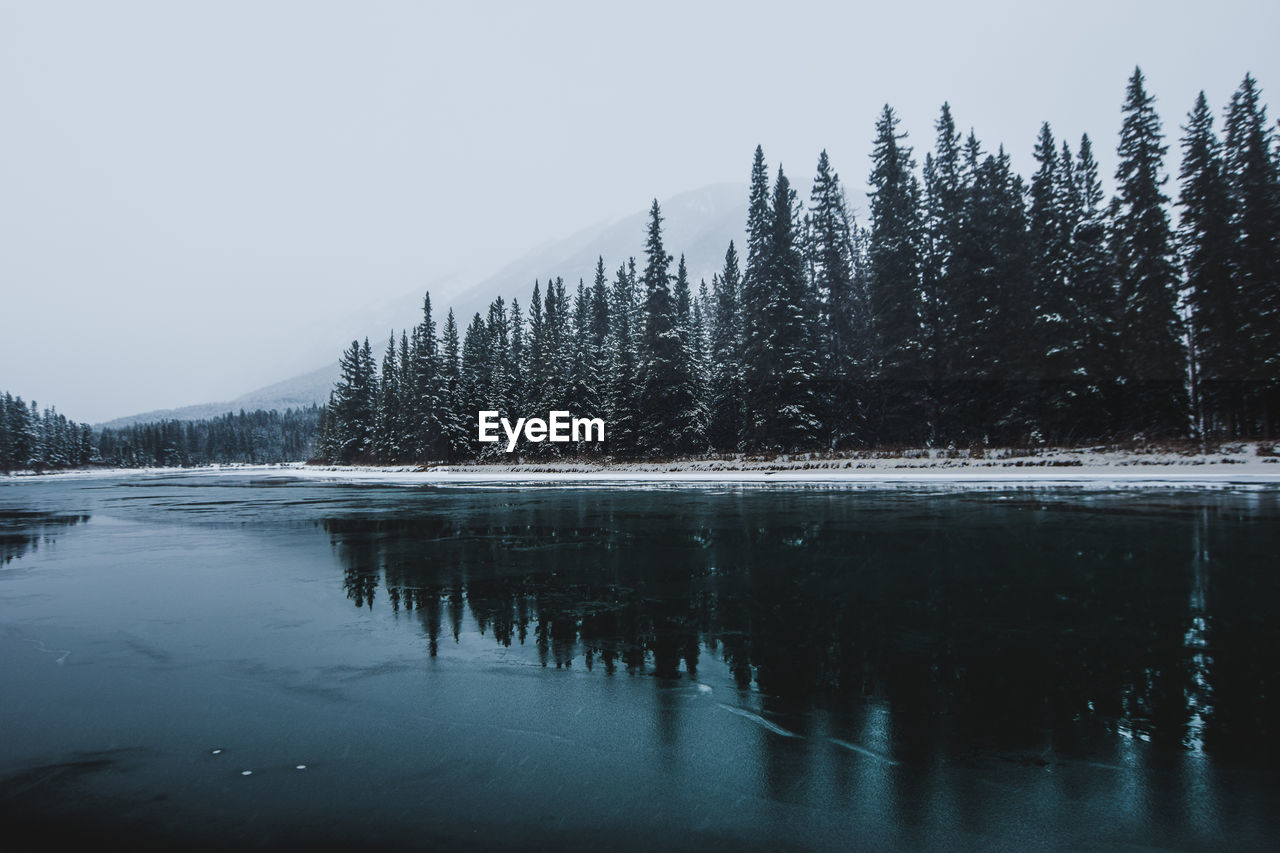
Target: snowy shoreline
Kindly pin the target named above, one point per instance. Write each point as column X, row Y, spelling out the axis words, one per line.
column 1240, row 463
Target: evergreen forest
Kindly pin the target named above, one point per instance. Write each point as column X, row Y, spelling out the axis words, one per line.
column 36, row 440
column 974, row 307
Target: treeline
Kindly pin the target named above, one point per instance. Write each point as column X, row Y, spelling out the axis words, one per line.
column 31, row 439
column 256, row 437
column 36, row 440
column 973, row 308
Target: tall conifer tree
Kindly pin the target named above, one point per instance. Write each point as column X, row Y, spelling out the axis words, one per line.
column 725, row 407
column 584, row 378
column 387, row 439
column 754, row 366
column 1093, row 272
column 667, row 405
column 1207, row 247
column 785, row 401
column 430, row 431
column 1055, row 331
column 894, row 254
column 456, row 419
column 474, row 388
column 1152, row 354
column 1251, row 173
column 830, row 250
column 621, row 396
column 943, row 209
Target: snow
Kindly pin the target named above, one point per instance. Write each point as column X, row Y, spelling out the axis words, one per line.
column 1241, row 463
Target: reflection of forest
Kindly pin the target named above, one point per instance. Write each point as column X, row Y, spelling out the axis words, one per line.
column 23, row 530
column 982, row 624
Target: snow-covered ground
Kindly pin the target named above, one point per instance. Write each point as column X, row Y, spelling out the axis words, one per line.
column 1234, row 463
column 1242, row 463
column 1239, row 463
column 100, row 473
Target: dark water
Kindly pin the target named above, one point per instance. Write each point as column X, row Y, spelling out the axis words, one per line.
column 558, row 668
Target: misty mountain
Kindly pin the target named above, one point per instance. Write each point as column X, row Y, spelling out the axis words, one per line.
column 698, row 224
column 295, row 392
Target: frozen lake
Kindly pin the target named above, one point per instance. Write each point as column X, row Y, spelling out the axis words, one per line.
column 256, row 660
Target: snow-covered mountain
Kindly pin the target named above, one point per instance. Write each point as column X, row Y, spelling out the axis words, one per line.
column 698, row 224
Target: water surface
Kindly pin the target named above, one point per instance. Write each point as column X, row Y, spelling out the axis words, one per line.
column 823, row 668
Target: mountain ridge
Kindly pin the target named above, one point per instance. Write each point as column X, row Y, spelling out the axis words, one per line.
column 698, row 223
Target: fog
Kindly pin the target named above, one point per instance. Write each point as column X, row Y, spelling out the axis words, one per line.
column 188, row 192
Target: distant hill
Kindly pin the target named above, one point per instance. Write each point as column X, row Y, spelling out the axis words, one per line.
column 698, row 224
column 303, row 390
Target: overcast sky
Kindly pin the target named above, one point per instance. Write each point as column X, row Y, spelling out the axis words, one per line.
column 188, row 190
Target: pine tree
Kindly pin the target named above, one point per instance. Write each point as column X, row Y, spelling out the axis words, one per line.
column 584, row 381
column 665, row 405
column 1152, row 353
column 6, row 439
column 725, row 407
column 329, row 443
column 682, row 295
column 599, row 334
column 369, row 383
column 558, row 351
column 621, row 398
column 862, row 342
column 519, row 367
column 386, row 435
column 555, row 352
column 15, row 449
column 894, row 255
column 1085, row 401
column 354, row 405
column 943, row 208
column 35, row 440
column 1254, row 188
column 536, row 372
column 1207, row 247
column 430, row 432
column 755, row 369
column 6, row 457
column 699, row 346
column 658, row 339
column 1093, row 272
column 830, row 259
column 473, row 377
column 1014, row 308
column 1056, row 328
column 406, row 406
column 544, row 361
column 564, row 350
column 784, row 399
column 502, row 375
column 759, row 212
column 87, row 449
column 455, row 416
column 692, row 422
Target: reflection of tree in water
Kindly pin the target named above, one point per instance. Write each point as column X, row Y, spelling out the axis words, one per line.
column 362, row 566
column 978, row 623
column 22, row 531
